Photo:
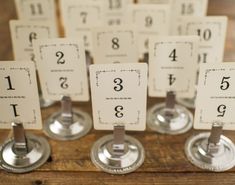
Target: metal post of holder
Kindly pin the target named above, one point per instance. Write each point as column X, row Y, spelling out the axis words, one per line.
column 170, row 104
column 66, row 110
column 119, row 140
column 20, row 141
column 214, row 138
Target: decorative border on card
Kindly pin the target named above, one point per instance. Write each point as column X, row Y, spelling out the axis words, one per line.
column 70, row 7
column 161, row 11
column 137, row 121
column 177, row 42
column 17, row 27
column 131, row 32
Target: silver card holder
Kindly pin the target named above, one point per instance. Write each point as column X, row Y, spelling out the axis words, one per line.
column 118, row 153
column 211, row 151
column 169, row 118
column 67, row 124
column 24, row 152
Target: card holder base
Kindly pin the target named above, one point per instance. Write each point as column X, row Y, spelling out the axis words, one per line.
column 38, row 154
column 104, row 158
column 180, row 122
column 221, row 160
column 55, row 127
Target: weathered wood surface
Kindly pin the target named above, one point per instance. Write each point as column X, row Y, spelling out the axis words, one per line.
column 165, row 161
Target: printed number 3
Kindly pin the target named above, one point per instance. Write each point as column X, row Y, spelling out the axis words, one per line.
column 118, row 82
column 118, row 110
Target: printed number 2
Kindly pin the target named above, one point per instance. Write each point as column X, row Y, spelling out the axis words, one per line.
column 60, row 56
column 63, row 84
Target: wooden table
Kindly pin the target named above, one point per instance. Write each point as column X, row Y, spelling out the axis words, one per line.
column 165, row 161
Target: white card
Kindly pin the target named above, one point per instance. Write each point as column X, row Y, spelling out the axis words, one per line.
column 186, row 8
column 215, row 96
column 19, row 95
column 151, row 20
column 115, row 45
column 119, row 93
column 114, row 11
column 173, row 65
column 212, row 32
column 80, row 17
column 23, row 33
column 36, row 10
column 62, row 68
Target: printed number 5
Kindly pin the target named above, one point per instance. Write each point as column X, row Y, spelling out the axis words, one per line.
column 224, row 84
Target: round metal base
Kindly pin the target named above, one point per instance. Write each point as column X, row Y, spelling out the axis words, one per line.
column 224, row 159
column 45, row 103
column 39, row 152
column 103, row 157
column 55, row 129
column 187, row 102
column 181, row 122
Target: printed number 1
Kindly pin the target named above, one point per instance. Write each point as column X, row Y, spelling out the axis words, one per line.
column 9, row 83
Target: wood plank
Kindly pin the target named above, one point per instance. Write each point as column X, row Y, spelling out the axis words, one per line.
column 63, row 178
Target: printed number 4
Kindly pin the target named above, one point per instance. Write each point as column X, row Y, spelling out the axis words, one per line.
column 173, row 55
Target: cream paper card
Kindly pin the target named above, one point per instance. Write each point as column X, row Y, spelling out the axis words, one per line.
column 115, row 45
column 215, row 96
column 23, row 33
column 212, row 32
column 119, row 93
column 19, row 95
column 173, row 65
column 62, row 68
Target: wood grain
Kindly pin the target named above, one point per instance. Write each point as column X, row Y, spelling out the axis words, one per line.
column 165, row 161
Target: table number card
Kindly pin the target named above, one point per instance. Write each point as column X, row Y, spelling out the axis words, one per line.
column 186, row 8
column 119, row 94
column 150, row 20
column 23, row 33
column 62, row 68
column 19, row 95
column 36, row 10
column 80, row 17
column 212, row 32
column 173, row 65
column 215, row 97
column 115, row 45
